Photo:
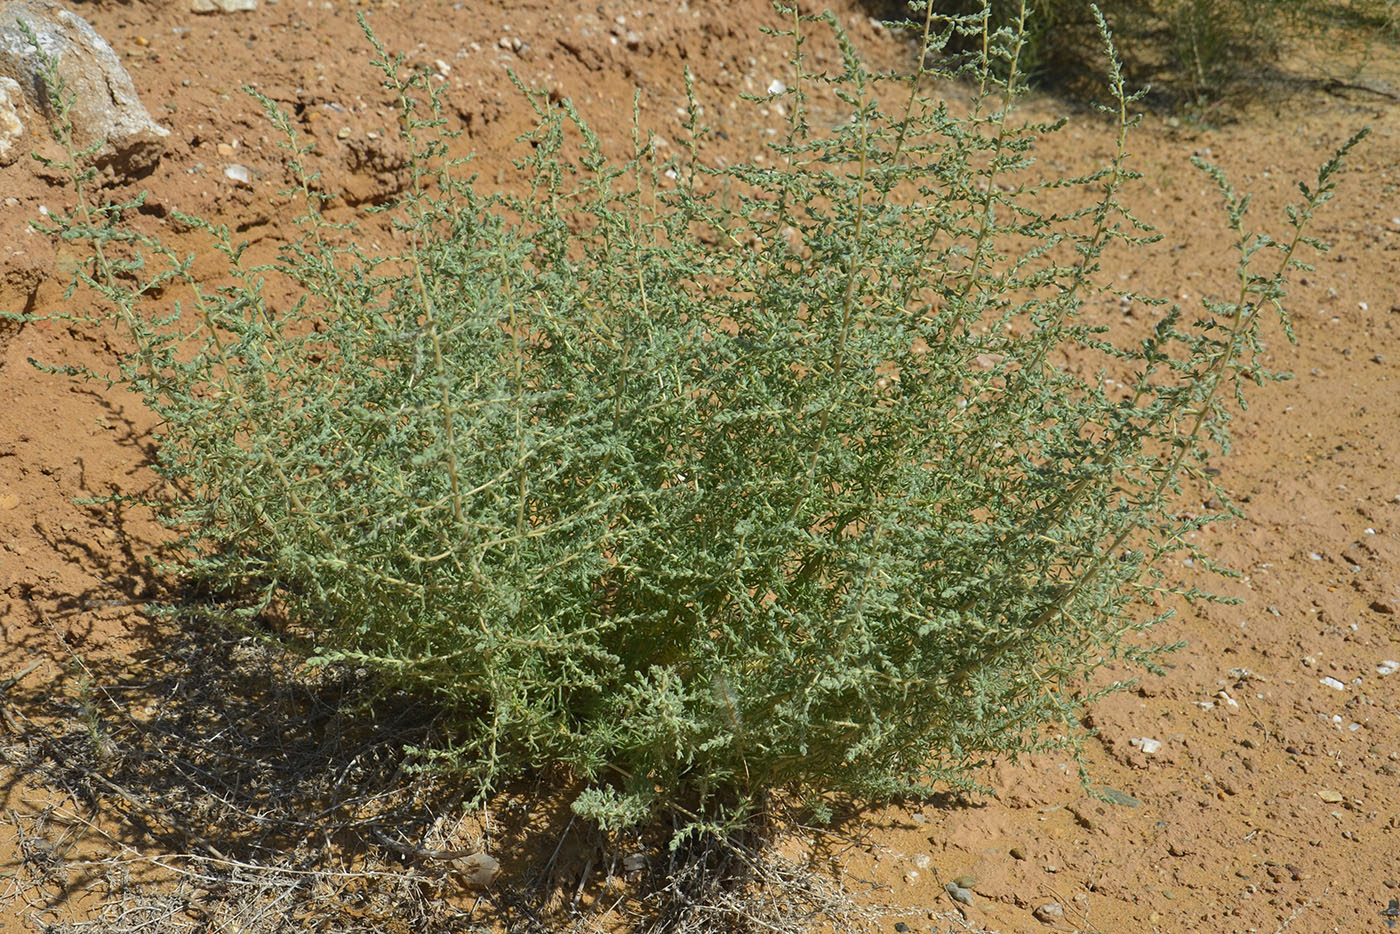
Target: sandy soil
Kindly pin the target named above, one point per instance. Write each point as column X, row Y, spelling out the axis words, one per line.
column 1272, row 803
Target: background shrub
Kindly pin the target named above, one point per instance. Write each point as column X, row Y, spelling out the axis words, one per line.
column 700, row 481
column 1191, row 51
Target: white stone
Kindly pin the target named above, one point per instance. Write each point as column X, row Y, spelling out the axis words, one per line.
column 1387, row 667
column 1333, row 683
column 222, row 6
column 105, row 112
column 11, row 126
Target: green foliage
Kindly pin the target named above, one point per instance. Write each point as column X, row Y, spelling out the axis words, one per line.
column 1193, row 50
column 701, row 481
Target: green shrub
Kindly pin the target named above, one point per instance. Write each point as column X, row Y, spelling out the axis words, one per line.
column 1193, row 51
column 700, row 481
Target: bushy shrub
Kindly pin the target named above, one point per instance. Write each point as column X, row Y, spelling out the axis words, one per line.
column 1192, row 51
column 699, row 480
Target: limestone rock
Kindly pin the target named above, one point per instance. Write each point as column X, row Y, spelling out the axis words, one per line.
column 11, row 126
column 222, row 6
column 106, row 110
column 478, row 870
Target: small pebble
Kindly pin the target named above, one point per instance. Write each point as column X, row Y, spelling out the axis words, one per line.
column 958, row 894
column 1330, row 796
column 1049, row 913
column 1387, row 667
column 1333, row 683
column 1018, row 853
column 239, row 174
column 478, row 870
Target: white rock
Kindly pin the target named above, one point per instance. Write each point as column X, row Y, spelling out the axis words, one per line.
column 239, row 174
column 1148, row 745
column 1387, row 667
column 106, row 110
column 222, row 6
column 1333, row 683
column 776, row 87
column 11, row 126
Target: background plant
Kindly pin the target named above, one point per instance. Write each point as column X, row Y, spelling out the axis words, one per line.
column 700, row 481
column 1193, row 51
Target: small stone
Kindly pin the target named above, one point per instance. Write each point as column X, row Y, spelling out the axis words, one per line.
column 224, row 149
column 1249, row 743
column 634, row 862
column 478, row 870
column 1018, row 853
column 239, row 175
column 958, row 894
column 1147, row 745
column 901, row 927
column 343, row 133
column 1049, row 913
column 1332, row 683
column 966, row 881
column 222, row 6
column 1387, row 667
column 923, row 860
column 1330, row 796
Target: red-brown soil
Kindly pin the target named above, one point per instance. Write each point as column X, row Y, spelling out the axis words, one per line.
column 1273, row 802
